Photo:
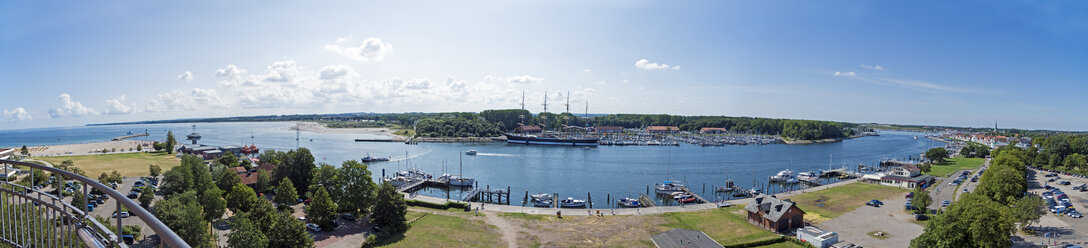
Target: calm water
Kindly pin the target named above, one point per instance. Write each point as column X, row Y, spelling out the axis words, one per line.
column 623, row 171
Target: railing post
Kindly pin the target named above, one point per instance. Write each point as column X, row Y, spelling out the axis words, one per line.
column 120, row 229
column 85, row 200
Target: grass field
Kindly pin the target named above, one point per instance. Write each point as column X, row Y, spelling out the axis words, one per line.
column 823, row 205
column 955, row 164
column 128, row 164
column 440, row 230
column 720, row 224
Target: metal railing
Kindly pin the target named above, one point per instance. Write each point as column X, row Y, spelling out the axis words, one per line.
column 33, row 218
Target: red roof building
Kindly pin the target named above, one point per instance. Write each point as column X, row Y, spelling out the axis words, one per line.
column 663, row 129
column 712, row 130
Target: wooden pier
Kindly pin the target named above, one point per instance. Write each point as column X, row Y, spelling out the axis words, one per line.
column 698, row 199
column 130, row 136
column 488, row 195
column 811, row 181
column 645, row 201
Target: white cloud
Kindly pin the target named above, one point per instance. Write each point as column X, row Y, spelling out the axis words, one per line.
column 335, row 71
column 229, row 72
column 524, row 79
column 117, row 106
column 372, row 49
column 647, row 65
column 873, row 67
column 845, row 74
column 70, row 108
column 601, row 83
column 625, row 81
column 194, row 99
column 586, row 71
column 17, row 114
column 186, row 76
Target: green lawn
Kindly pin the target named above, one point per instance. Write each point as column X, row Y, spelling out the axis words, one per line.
column 823, row 205
column 720, row 224
column 438, row 230
column 955, row 164
column 128, row 164
column 786, row 244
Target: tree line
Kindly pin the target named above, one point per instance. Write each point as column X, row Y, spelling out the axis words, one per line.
column 987, row 216
column 1061, row 152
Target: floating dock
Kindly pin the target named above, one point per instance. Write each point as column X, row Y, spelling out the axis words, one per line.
column 487, row 195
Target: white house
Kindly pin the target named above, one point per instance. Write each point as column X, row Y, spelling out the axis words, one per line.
column 816, row 237
column 906, row 176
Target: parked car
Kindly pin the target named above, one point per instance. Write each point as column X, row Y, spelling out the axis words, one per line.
column 313, row 227
column 133, row 195
column 874, row 203
column 946, row 203
column 348, row 217
column 921, row 217
column 1064, row 183
column 124, row 214
column 909, row 195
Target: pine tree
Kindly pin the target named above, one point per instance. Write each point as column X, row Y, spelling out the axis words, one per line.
column 169, row 146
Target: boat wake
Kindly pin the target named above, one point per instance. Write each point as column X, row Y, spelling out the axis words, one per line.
column 411, row 156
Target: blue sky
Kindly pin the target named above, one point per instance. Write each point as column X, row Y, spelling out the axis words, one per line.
column 962, row 63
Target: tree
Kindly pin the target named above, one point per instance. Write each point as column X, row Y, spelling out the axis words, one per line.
column 244, row 234
column 146, row 196
column 264, row 181
column 974, row 221
column 921, row 199
column 169, row 146
column 241, row 198
column 1027, row 210
column 285, row 194
column 228, row 159
column 227, row 179
column 357, row 190
column 322, row 210
column 1075, row 161
column 177, row 180
column 925, row 167
column 325, row 176
column 290, row 232
column 182, row 214
column 139, row 148
column 155, row 170
column 936, row 155
column 214, row 205
column 389, row 209
column 116, row 177
column 298, row 166
column 104, row 178
column 25, row 151
column 263, row 214
column 202, row 179
column 78, row 199
column 158, row 146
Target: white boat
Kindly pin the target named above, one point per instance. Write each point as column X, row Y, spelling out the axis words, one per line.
column 669, row 187
column 541, row 197
column 782, row 176
column 456, row 180
column 396, row 181
column 755, row 191
column 414, row 174
column 572, row 203
column 792, row 181
column 470, row 152
column 806, row 174
column 629, row 203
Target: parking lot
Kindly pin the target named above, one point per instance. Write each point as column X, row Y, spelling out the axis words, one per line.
column 891, row 218
column 1063, row 228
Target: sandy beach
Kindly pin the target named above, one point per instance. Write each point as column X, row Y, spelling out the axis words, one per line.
column 321, row 128
column 89, row 148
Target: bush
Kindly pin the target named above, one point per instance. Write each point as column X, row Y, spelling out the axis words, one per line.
column 447, row 205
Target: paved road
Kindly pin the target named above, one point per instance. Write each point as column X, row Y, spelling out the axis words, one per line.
column 943, row 191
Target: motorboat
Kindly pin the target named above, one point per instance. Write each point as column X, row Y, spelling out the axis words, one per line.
column 669, row 187
column 369, row 159
column 806, row 174
column 396, row 181
column 782, row 176
column 542, row 204
column 680, row 196
column 792, row 181
column 687, row 199
column 570, row 202
column 470, row 152
column 541, row 197
column 629, row 203
column 414, row 174
column 755, row 191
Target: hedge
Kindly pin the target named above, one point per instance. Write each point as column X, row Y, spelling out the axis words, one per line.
column 775, row 240
column 447, row 205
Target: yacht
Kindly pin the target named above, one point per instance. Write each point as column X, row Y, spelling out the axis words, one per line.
column 629, row 203
column 570, row 202
column 396, row 181
column 470, row 152
column 782, row 176
column 669, row 187
column 414, row 174
column 541, row 197
column 755, row 191
column 543, row 204
column 806, row 174
column 456, row 180
column 792, row 181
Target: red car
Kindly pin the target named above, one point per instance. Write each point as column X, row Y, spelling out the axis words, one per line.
column 307, row 201
column 909, row 195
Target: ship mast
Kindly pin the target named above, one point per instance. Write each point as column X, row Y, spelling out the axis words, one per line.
column 544, row 116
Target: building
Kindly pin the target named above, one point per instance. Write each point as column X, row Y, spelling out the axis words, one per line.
column 906, row 176
column 607, row 129
column 777, row 215
column 6, row 153
column 236, row 150
column 712, row 130
column 684, row 238
column 239, row 169
column 249, row 178
column 663, row 129
column 816, row 237
column 529, row 129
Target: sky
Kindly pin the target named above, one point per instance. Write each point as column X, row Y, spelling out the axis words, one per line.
column 1021, row 64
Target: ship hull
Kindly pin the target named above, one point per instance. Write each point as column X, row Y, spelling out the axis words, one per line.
column 527, row 140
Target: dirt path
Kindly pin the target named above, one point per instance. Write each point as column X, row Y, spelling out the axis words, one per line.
column 509, row 231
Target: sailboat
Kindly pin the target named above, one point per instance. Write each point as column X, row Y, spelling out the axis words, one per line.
column 669, row 186
column 457, row 180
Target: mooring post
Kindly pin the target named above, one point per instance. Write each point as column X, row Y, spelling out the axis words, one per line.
column 590, row 199
column 608, row 199
column 704, row 188
column 507, row 194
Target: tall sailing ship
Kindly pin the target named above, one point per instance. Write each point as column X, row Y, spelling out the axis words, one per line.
column 539, row 135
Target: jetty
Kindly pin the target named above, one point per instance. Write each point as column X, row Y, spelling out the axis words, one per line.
column 698, row 199
column 487, row 195
column 131, row 136
column 379, row 140
column 839, row 171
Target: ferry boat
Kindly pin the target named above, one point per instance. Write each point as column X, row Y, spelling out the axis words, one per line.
column 629, row 203
column 570, row 202
column 669, row 187
column 370, row 159
column 470, row 152
column 549, row 139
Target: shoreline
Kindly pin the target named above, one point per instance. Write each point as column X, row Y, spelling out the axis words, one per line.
column 90, row 148
column 315, row 127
